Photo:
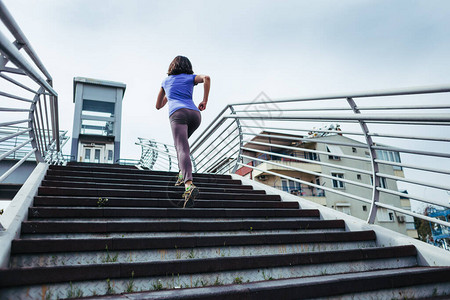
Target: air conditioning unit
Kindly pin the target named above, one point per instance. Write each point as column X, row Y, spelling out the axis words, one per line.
column 401, row 219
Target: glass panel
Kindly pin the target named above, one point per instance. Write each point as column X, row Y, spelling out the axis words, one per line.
column 110, row 155
column 87, row 154
column 284, row 185
column 97, row 155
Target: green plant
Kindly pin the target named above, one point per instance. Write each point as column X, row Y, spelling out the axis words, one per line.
column 218, row 282
column 74, row 293
column 266, row 277
column 109, row 289
column 191, row 254
column 237, row 280
column 251, row 229
column 1, row 211
column 109, row 258
column 157, row 286
column 48, row 294
column 101, row 202
column 130, row 284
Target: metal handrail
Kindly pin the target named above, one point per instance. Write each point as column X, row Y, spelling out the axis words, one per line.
column 416, row 134
column 31, row 103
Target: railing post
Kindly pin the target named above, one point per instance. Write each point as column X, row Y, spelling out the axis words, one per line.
column 33, row 133
column 375, row 168
column 238, row 125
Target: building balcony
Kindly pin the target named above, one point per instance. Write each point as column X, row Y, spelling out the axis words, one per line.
column 267, row 166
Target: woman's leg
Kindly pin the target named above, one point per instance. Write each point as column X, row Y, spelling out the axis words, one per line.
column 180, row 138
column 183, row 123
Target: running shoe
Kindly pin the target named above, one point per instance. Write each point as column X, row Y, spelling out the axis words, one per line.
column 180, row 180
column 189, row 196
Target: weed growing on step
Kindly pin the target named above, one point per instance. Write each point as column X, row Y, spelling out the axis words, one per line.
column 237, row 280
column 1, row 211
column 157, row 286
column 218, row 282
column 130, row 284
column 266, row 277
column 101, row 202
column 74, row 293
column 48, row 294
column 250, row 230
column 109, row 289
column 109, row 258
column 204, row 283
column 191, row 254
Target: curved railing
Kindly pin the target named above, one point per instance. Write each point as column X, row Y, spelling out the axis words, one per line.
column 374, row 147
column 28, row 102
column 158, row 156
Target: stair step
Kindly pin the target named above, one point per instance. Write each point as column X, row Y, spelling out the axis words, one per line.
column 120, row 244
column 115, row 212
column 168, row 181
column 155, row 202
column 58, row 274
column 99, row 169
column 54, row 191
column 142, row 176
column 180, row 226
column 405, row 283
column 135, row 187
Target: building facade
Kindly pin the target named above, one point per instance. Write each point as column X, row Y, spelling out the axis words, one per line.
column 343, row 169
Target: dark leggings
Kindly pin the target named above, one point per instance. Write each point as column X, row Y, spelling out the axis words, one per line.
column 183, row 123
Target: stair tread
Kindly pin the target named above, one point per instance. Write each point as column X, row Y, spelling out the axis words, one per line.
column 36, row 275
column 67, row 191
column 305, row 288
column 75, row 201
column 106, row 169
column 170, row 226
column 99, row 244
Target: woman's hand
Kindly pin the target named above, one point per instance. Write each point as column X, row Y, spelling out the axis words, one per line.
column 202, row 106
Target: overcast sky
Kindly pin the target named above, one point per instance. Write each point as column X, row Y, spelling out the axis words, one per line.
column 283, row 48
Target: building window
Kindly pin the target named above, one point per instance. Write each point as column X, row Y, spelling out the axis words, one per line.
column 291, row 186
column 383, row 215
column 110, row 155
column 311, row 156
column 97, row 156
column 383, row 183
column 337, row 184
column 87, row 155
column 343, row 207
column 335, row 150
column 389, row 156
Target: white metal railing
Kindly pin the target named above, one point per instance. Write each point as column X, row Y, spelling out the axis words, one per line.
column 158, row 156
column 399, row 139
column 28, row 102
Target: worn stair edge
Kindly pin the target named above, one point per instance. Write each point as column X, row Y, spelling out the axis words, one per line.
column 118, row 212
column 74, row 201
column 156, row 181
column 171, row 188
column 99, row 169
column 308, row 287
column 54, row 191
column 40, row 275
column 163, row 177
column 172, row 226
column 113, row 244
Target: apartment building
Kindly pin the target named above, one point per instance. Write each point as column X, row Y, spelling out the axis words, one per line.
column 328, row 167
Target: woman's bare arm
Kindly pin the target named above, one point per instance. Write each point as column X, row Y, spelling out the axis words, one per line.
column 161, row 100
column 206, row 86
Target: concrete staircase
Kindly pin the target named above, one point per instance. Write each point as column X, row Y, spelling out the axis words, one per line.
column 97, row 230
